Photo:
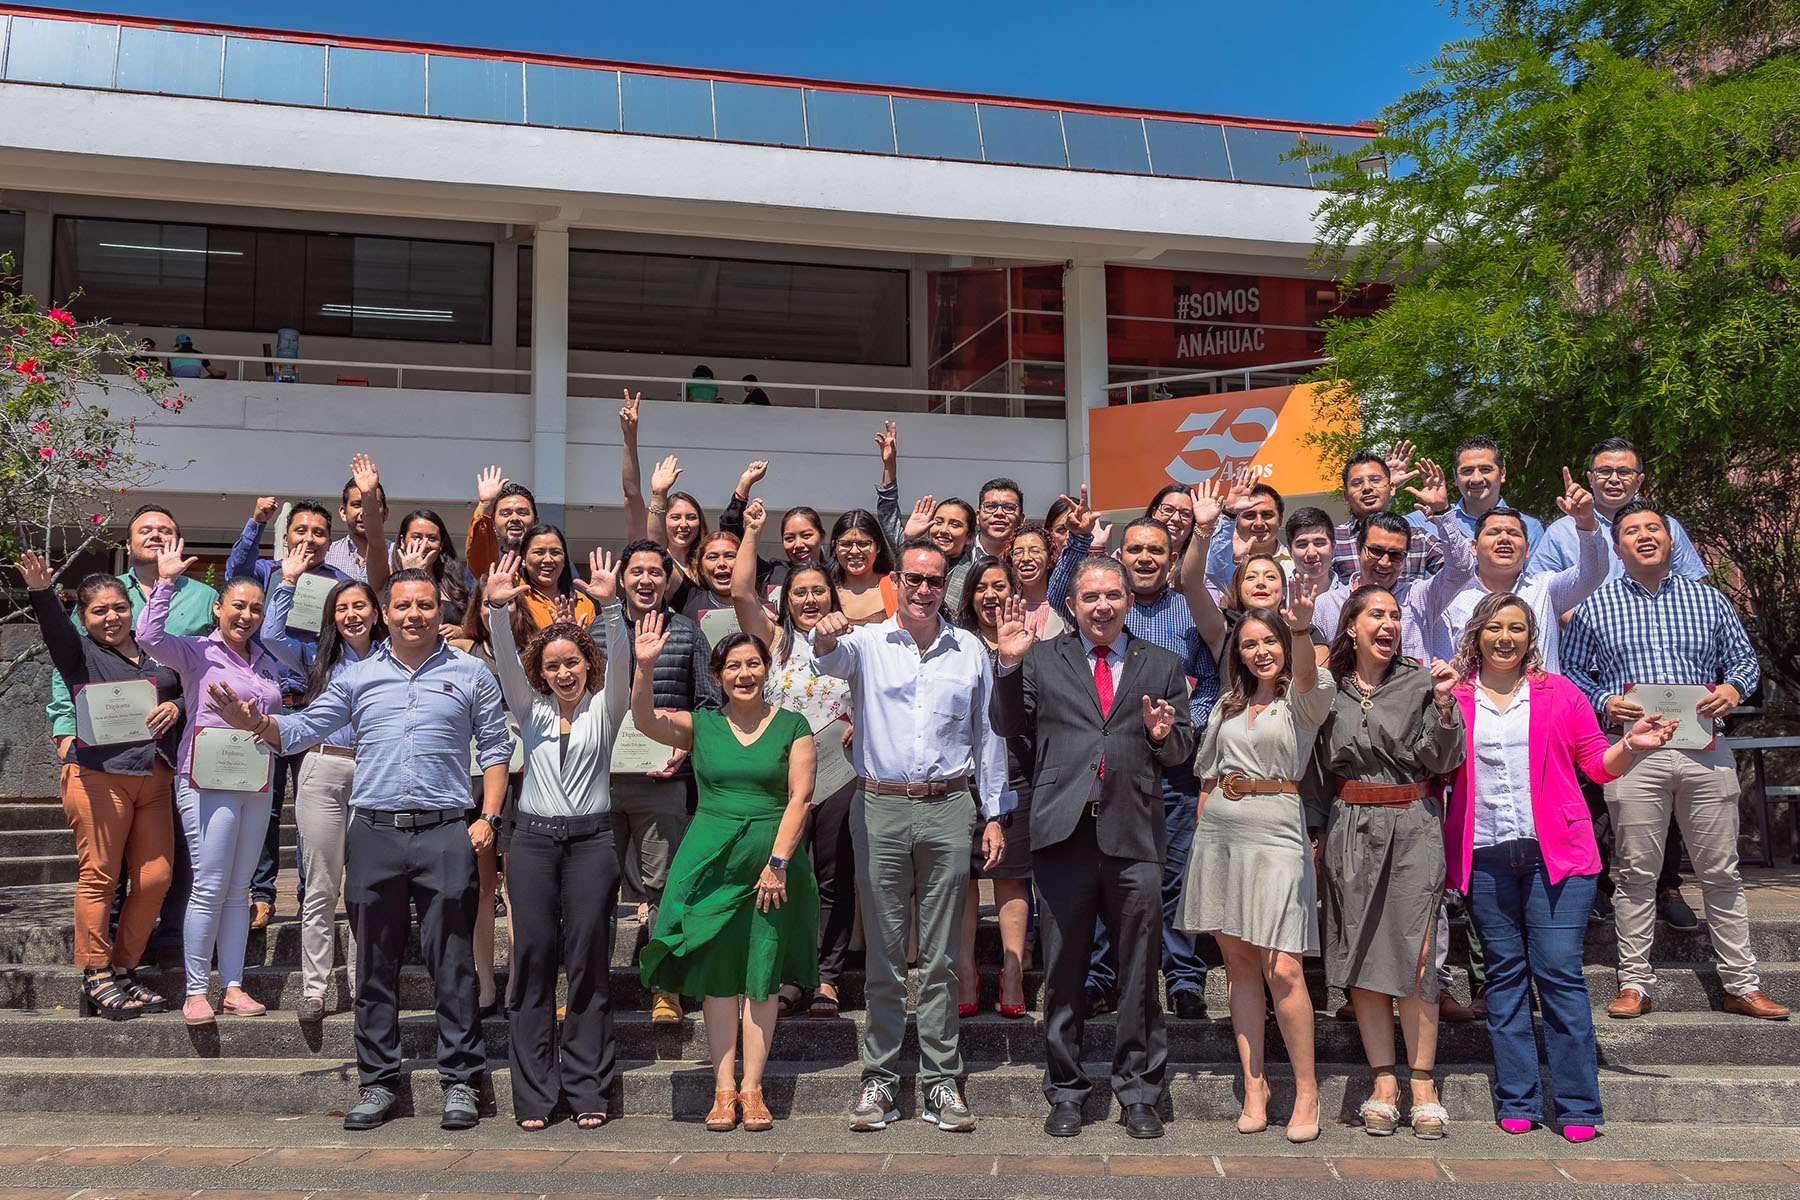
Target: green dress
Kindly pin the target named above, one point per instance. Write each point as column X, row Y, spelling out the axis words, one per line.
column 711, row 939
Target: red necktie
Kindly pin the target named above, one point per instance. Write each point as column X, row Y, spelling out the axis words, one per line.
column 1103, row 684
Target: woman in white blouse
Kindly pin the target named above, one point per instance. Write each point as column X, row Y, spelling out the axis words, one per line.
column 564, row 874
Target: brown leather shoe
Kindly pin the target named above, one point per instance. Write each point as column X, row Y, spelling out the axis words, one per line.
column 1452, row 1009
column 260, row 912
column 723, row 1118
column 1478, row 1006
column 757, row 1117
column 1631, row 1003
column 1756, row 1004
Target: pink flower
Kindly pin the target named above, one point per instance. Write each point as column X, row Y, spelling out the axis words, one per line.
column 40, row 427
column 46, row 451
column 25, row 366
column 62, row 315
column 99, row 519
column 142, row 374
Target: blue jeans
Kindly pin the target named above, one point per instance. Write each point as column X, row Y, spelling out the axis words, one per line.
column 1532, row 932
column 1182, row 967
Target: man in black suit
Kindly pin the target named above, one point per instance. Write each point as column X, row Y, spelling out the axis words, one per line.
column 1109, row 711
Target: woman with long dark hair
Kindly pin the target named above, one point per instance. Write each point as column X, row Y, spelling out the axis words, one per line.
column 677, row 521
column 864, row 568
column 425, row 542
column 1173, row 505
column 710, row 563
column 352, row 627
column 549, row 579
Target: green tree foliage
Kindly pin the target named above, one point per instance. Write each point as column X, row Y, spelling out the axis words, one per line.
column 1592, row 214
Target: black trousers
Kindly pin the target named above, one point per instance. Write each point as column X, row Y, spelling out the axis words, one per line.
column 827, row 841
column 563, row 894
column 1077, row 883
column 1673, row 848
column 384, row 867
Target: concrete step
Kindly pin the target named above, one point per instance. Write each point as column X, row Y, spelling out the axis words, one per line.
column 664, row 1090
column 32, row 814
column 31, row 843
column 26, row 870
column 1662, row 1038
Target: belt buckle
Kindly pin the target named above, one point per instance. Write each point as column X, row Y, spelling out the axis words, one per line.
column 1232, row 785
column 918, row 789
column 405, row 820
column 1093, row 807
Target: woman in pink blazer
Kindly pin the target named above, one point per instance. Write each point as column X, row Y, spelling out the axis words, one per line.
column 1519, row 843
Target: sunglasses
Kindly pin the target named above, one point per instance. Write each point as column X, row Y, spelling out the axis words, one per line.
column 914, row 581
column 1384, row 555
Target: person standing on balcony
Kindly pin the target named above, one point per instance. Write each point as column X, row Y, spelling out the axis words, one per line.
column 187, row 364
column 362, row 553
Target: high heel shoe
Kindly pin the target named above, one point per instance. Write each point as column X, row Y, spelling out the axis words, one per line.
column 1297, row 1133
column 969, row 1010
column 757, row 1118
column 1247, row 1125
column 1011, row 1011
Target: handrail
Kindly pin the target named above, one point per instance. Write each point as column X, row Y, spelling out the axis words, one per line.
column 1014, row 399
column 1153, row 380
column 399, row 369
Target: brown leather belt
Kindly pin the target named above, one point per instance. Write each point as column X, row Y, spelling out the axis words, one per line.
column 1236, row 785
column 1397, row 795
column 918, row 789
column 335, row 751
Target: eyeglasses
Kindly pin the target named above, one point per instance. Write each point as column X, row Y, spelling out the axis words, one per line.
column 1169, row 510
column 914, row 581
column 1385, row 555
column 999, row 507
column 855, row 544
column 1613, row 472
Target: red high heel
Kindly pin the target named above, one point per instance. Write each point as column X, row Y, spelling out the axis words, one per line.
column 969, row 1010
column 1012, row 1011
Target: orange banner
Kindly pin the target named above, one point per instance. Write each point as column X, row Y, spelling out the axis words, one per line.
column 1137, row 448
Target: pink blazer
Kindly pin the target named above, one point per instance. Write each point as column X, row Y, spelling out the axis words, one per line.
column 1564, row 735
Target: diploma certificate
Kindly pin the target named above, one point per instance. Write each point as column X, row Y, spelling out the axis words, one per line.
column 515, row 763
column 112, row 714
column 835, row 768
column 634, row 753
column 1677, row 702
column 308, row 611
column 719, row 624
column 230, row 760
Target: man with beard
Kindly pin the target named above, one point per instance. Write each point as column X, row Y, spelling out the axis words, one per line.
column 504, row 510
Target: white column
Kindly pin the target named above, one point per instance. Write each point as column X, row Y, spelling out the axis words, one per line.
column 550, row 371
column 1084, row 358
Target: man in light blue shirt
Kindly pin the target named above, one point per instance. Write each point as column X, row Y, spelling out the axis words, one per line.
column 1480, row 470
column 413, row 705
column 1615, row 476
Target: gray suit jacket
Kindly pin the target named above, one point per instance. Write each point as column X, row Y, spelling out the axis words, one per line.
column 1052, row 695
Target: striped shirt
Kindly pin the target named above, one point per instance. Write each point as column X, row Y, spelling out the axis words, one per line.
column 1682, row 633
column 1424, row 553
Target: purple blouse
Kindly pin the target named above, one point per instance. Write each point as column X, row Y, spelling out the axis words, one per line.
column 205, row 660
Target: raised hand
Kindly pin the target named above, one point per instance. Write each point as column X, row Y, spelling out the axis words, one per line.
column 266, row 507
column 650, row 640
column 1159, row 718
column 1399, row 463
column 1650, row 733
column 1434, row 496
column 36, row 571
column 1102, row 534
column 832, row 626
column 1209, row 501
column 602, row 583
column 1081, row 517
column 172, row 561
column 888, row 442
column 562, row 610
column 663, row 478
column 503, row 582
column 1013, row 634
column 628, row 415
column 487, row 487
column 1243, row 485
column 413, row 554
column 755, row 514
column 1443, row 682
column 366, row 478
column 918, row 522
column 1302, row 596
column 753, row 475
column 1576, row 501
column 296, row 563
column 231, row 708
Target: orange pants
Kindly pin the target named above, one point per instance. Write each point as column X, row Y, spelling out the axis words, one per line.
column 118, row 820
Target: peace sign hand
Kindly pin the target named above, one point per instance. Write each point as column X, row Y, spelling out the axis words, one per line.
column 1576, row 501
column 888, row 442
column 628, row 415
column 1081, row 517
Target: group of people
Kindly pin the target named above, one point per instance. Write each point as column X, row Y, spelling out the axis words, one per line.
column 1298, row 736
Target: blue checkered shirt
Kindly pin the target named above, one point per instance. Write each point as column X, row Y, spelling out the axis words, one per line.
column 1683, row 633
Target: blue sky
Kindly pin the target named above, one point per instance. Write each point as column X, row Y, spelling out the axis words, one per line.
column 1304, row 60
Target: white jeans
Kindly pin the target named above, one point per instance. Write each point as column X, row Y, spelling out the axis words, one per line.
column 225, row 835
column 322, row 810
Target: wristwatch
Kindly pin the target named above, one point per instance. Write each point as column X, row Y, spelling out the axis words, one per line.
column 777, row 863
column 493, row 819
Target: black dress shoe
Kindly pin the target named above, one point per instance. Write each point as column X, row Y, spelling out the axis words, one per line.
column 1097, row 1002
column 1064, row 1119
column 1190, row 1004
column 1141, row 1121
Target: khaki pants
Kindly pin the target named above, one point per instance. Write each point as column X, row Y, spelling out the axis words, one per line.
column 1700, row 787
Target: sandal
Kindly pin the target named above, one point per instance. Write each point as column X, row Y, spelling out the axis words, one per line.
column 1429, row 1121
column 757, row 1118
column 787, row 1005
column 1379, row 1117
column 152, row 1000
column 823, row 1007
column 101, row 996
column 723, row 1117
column 532, row 1124
column 590, row 1120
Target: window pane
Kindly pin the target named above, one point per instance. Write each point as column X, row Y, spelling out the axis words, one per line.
column 158, row 60
column 231, row 268
column 134, row 272
column 421, row 291
column 275, row 72
column 571, row 97
column 754, row 112
column 667, row 105
column 280, row 267
column 1187, row 149
column 1335, row 145
column 849, row 121
column 330, row 296
column 376, row 81
column 1256, row 156
column 1100, row 143
column 478, row 89
column 12, row 241
column 937, row 129
column 1030, row 136
column 74, row 52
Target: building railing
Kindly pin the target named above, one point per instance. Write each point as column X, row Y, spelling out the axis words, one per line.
column 1285, row 372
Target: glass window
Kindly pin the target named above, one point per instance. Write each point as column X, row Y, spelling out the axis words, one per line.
column 479, row 89
column 1318, row 168
column 376, row 81
column 715, row 307
column 12, row 241
column 668, row 105
column 1100, row 143
column 1256, row 156
column 1187, row 149
column 419, row 290
column 134, row 272
column 1028, row 136
column 937, row 129
column 74, row 52
column 755, row 112
column 849, row 121
column 571, row 97
column 274, row 72
column 161, row 60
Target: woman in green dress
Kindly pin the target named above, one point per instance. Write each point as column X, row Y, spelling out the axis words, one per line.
column 740, row 913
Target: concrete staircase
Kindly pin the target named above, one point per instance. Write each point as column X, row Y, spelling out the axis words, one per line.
column 1685, row 1062
column 37, row 846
